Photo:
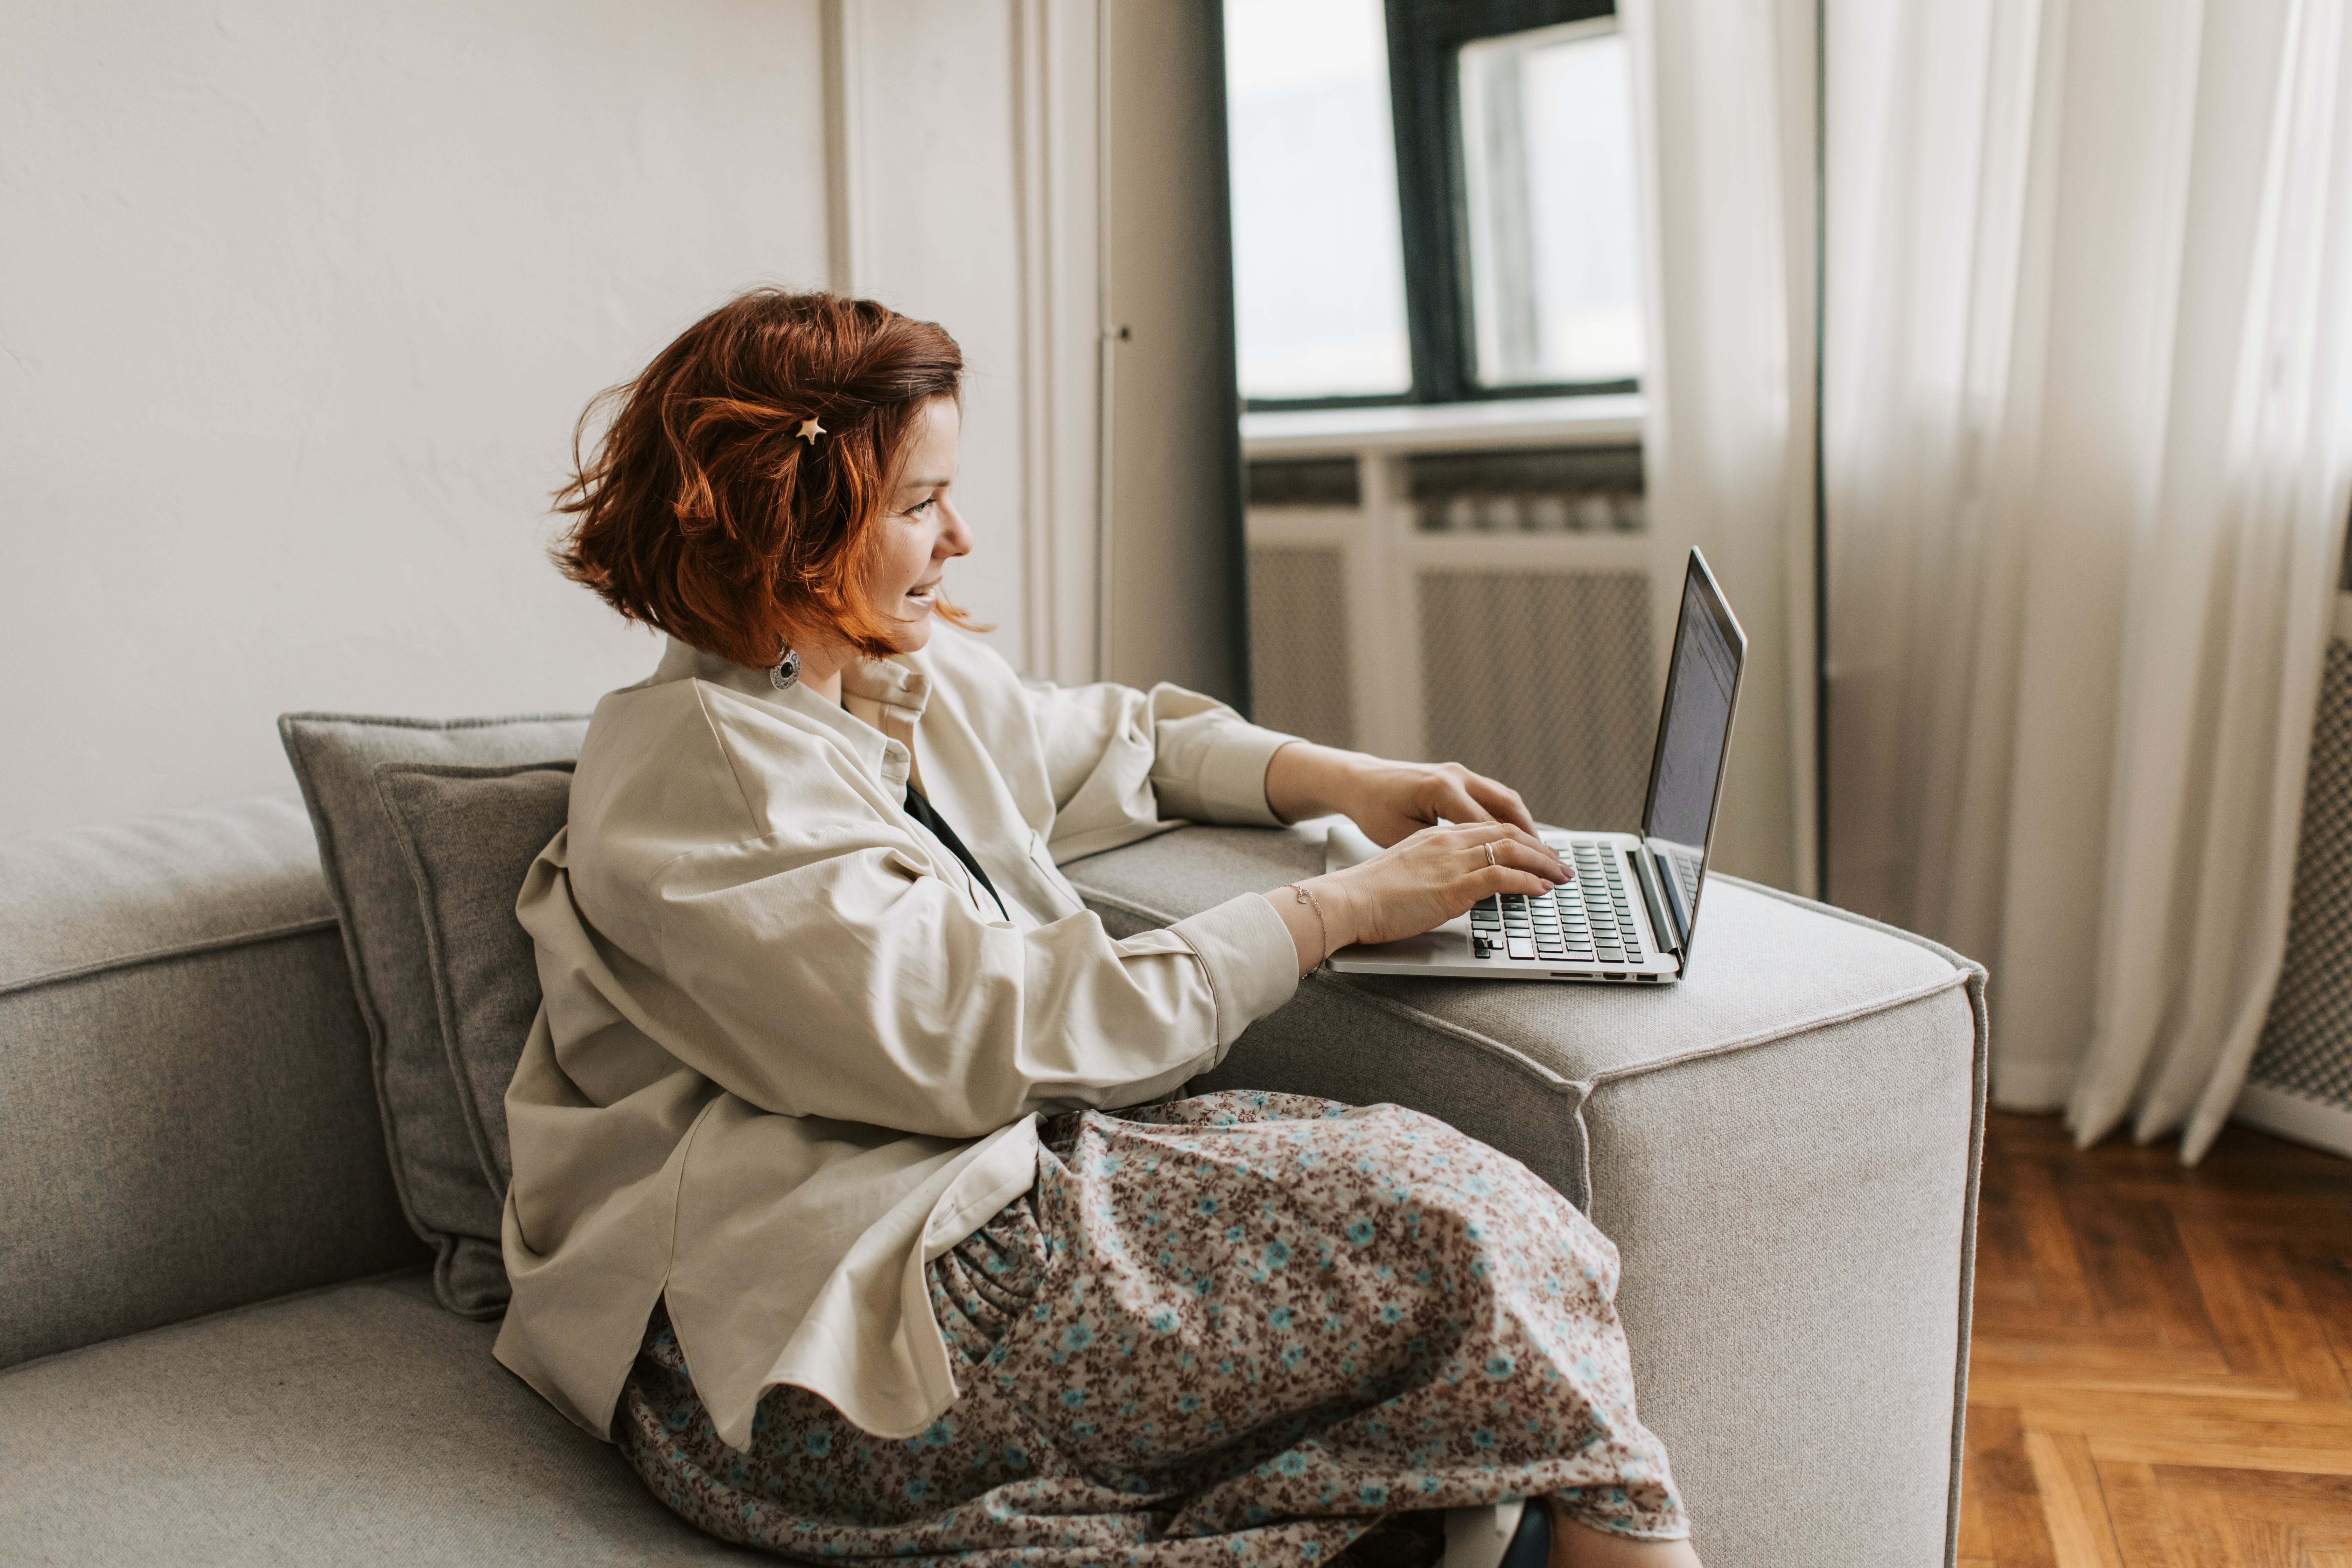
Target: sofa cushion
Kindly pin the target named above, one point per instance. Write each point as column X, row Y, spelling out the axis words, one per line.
column 186, row 1116
column 436, row 1160
column 469, row 836
column 1783, row 1146
column 357, row 1425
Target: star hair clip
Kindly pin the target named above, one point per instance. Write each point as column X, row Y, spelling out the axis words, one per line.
column 810, row 430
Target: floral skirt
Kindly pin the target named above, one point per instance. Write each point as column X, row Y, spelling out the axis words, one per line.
column 1235, row 1329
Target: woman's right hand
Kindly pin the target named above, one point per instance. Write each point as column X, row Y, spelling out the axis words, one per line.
column 1417, row 885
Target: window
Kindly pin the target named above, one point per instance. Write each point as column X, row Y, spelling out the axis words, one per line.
column 1318, row 274
column 1434, row 200
column 1548, row 166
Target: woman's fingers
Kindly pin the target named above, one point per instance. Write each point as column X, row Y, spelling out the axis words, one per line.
column 1536, row 859
column 1520, row 870
column 1498, row 801
column 1520, row 847
column 1458, row 805
column 1485, row 883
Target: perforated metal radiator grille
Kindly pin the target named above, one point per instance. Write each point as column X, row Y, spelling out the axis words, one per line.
column 1299, row 649
column 2307, row 1045
column 1542, row 680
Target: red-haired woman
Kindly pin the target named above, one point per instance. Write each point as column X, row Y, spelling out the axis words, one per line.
column 849, row 1198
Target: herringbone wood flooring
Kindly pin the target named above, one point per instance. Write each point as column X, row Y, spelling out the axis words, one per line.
column 2162, row 1369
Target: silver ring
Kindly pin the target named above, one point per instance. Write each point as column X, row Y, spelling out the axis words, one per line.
column 1490, row 852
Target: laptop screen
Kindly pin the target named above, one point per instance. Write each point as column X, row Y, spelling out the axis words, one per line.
column 1693, row 732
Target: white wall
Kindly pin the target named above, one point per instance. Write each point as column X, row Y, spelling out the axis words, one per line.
column 299, row 305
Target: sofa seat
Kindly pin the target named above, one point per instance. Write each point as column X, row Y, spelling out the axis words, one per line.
column 358, row 1424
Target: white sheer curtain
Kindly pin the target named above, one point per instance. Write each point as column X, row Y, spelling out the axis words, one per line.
column 2088, row 432
column 1725, row 103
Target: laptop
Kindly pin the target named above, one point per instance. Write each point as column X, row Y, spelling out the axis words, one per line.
column 1630, row 911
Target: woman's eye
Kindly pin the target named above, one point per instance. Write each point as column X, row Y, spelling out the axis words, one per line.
column 921, row 506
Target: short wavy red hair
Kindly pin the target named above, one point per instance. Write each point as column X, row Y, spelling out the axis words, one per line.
column 704, row 514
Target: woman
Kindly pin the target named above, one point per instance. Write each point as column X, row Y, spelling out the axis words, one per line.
column 848, row 1197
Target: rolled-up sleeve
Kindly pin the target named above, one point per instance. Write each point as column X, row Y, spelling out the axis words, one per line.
column 1251, row 961
column 1121, row 763
column 1209, row 765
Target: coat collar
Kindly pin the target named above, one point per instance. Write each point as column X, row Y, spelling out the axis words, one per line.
column 881, row 700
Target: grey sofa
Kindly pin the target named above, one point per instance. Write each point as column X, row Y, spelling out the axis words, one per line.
column 222, row 1343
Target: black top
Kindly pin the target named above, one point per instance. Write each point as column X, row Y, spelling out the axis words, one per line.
column 923, row 811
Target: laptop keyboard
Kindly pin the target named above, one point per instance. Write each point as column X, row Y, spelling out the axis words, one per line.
column 1590, row 919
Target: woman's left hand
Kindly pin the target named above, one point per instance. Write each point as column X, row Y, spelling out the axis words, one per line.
column 1390, row 801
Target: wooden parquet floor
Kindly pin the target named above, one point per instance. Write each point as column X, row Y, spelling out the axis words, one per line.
column 2162, row 1369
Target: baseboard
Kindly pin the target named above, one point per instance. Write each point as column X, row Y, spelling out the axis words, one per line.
column 2312, row 1121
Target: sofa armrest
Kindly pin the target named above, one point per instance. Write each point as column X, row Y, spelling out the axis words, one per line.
column 187, row 1121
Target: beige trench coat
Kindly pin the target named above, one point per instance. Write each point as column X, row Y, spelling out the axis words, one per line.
column 790, row 1051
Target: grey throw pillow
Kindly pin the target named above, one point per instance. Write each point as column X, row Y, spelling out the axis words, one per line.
column 435, row 1162
column 469, row 836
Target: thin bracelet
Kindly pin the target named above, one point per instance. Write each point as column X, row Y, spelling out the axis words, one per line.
column 1300, row 894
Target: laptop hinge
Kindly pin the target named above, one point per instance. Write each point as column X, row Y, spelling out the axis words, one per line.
column 1646, row 871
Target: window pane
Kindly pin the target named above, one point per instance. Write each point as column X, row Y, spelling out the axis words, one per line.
column 1555, row 257
column 1318, row 263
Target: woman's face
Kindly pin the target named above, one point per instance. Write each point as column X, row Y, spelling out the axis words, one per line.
column 924, row 531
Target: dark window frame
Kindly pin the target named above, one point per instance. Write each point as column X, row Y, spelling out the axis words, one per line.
column 1424, row 41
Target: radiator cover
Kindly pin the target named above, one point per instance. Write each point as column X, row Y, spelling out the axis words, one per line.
column 1443, row 594
column 1542, row 680
column 2300, row 1082
column 1300, row 649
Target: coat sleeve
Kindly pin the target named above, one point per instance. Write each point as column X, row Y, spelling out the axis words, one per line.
column 1119, row 761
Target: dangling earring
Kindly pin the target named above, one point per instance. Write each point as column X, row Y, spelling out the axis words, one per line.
column 785, row 671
